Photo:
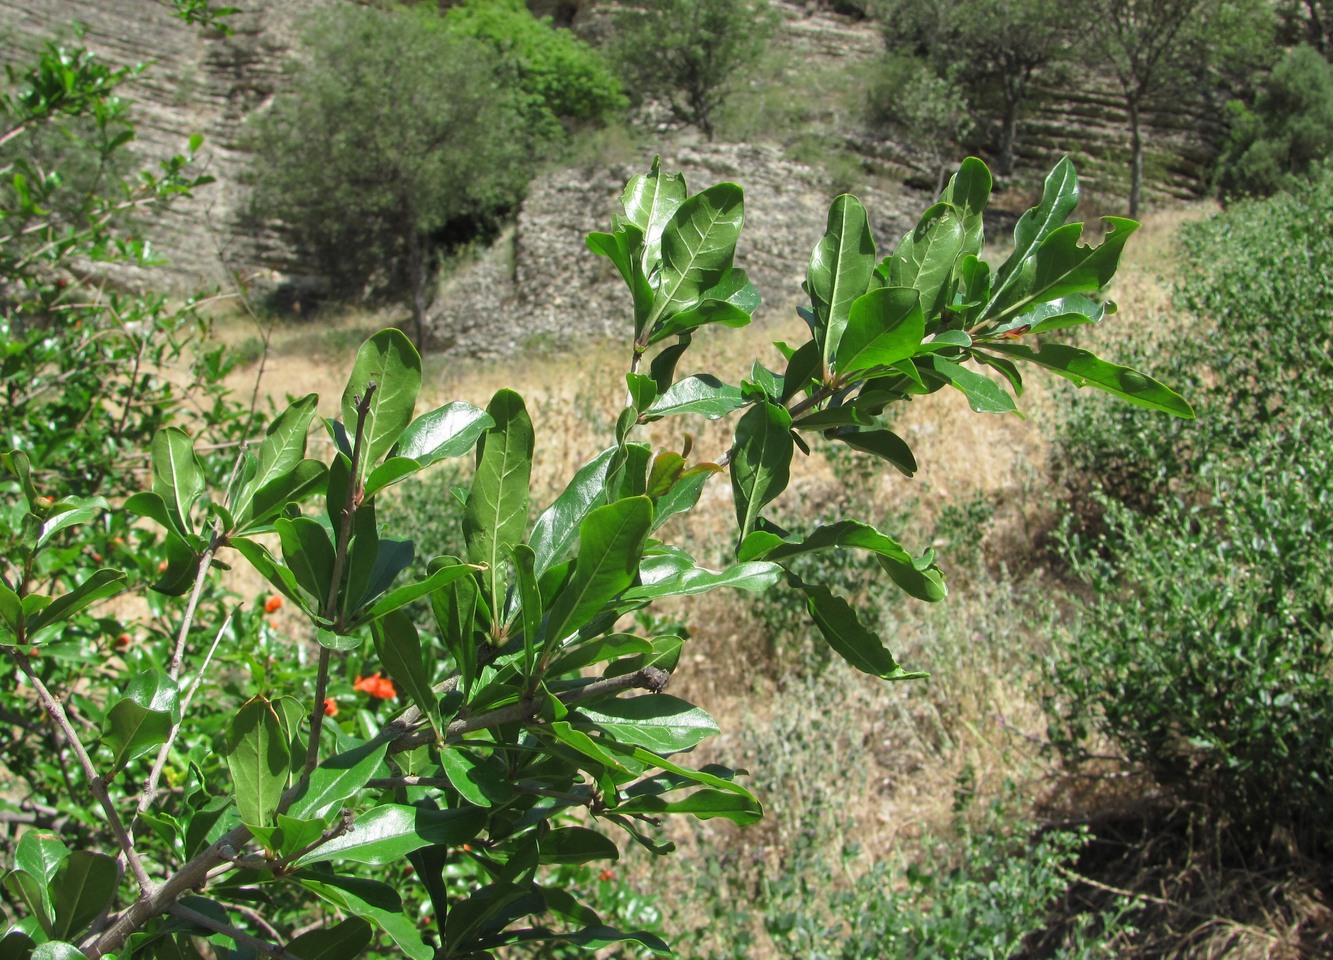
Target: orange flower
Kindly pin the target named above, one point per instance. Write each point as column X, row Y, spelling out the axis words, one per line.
column 330, row 707
column 162, row 567
column 123, row 642
column 272, row 603
column 376, row 686
column 607, row 875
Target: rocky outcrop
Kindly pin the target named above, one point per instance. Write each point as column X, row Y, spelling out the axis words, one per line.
column 541, row 286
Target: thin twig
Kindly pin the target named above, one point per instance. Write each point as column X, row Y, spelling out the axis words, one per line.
column 178, row 654
column 239, row 937
column 149, row 793
column 95, row 782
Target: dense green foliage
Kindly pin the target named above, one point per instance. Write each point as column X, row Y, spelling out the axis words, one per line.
column 688, row 55
column 1288, row 131
column 1203, row 651
column 511, row 764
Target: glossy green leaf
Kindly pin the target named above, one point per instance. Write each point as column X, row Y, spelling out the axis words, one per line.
column 282, row 448
column 576, row 845
column 390, row 832
column 16, row 945
column 925, row 258
column 342, row 941
column 83, row 887
column 527, row 592
column 57, row 950
column 702, row 394
column 983, row 394
column 495, row 516
column 920, row 577
column 399, row 647
column 658, row 722
column 883, row 327
column 481, row 783
column 649, row 202
column 698, row 244
column 969, row 191
column 144, row 718
column 594, row 938
column 388, row 473
column 177, row 476
column 1062, row 266
column 373, row 901
column 611, row 542
column 258, row 757
column 1057, row 314
column 675, row 575
column 684, row 493
column 40, row 854
column 309, row 554
column 625, row 249
column 336, row 779
column 557, row 528
column 307, row 478
column 102, row 584
column 884, row 444
column 389, row 361
column 849, row 638
column 454, row 605
column 704, row 804
column 1058, row 200
column 11, row 608
column 410, row 592
column 35, row 895
column 1086, row 370
column 73, row 511
column 277, row 574
column 597, row 650
column 728, row 304
column 840, row 270
column 761, row 461
column 448, row 431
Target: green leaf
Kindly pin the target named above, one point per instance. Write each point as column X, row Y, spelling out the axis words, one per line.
column 761, row 463
column 920, row 577
column 728, row 304
column 884, row 444
column 657, row 722
column 399, row 649
column 1058, row 200
column 576, row 845
column 102, row 584
column 388, row 473
column 702, row 394
column 83, row 887
column 390, row 832
column 841, row 267
column 611, row 543
column 594, row 938
column 342, row 941
column 336, row 779
column 389, row 361
column 57, row 950
column 704, row 804
column 848, row 637
column 1086, row 370
column 1062, row 266
column 698, row 245
column 277, row 574
column 15, row 945
column 144, row 718
column 34, row 894
column 11, row 608
column 177, row 476
column 448, row 431
column 372, row 901
column 1070, row 311
column 455, row 608
column 883, row 327
column 309, row 554
column 481, row 783
column 649, row 202
column 527, row 592
column 282, row 449
column 557, row 528
column 924, row 259
column 74, row 510
column 40, row 854
column 969, row 191
column 258, row 756
column 983, row 394
column 675, row 575
column 305, row 479
column 598, row 649
column 495, row 515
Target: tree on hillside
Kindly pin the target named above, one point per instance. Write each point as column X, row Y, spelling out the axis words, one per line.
column 393, row 129
column 1308, row 21
column 689, row 54
column 996, row 47
column 1153, row 47
column 1288, row 131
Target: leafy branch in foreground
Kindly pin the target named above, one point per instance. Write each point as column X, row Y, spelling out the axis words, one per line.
column 538, row 730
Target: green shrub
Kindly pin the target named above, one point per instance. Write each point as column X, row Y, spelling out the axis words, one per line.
column 1204, row 651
